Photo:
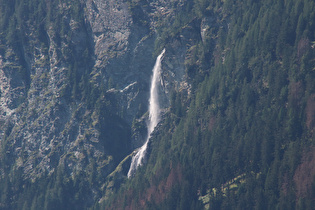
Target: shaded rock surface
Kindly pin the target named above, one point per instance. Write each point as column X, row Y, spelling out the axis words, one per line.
column 44, row 128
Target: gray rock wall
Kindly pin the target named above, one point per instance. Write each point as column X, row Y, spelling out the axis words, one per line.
column 43, row 129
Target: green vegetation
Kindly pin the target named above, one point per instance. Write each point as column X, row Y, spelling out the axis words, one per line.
column 25, row 27
column 249, row 113
column 242, row 139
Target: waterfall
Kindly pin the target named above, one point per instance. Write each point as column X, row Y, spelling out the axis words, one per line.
column 154, row 115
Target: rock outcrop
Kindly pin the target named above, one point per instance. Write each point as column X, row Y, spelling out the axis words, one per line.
column 45, row 119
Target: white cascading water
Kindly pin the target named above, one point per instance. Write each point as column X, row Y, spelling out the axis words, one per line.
column 154, row 115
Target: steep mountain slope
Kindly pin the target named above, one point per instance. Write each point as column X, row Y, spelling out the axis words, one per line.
column 74, row 90
column 244, row 137
column 237, row 97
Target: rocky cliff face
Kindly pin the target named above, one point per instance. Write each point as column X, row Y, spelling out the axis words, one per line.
column 46, row 120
